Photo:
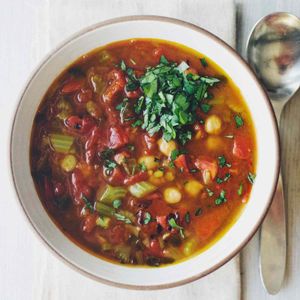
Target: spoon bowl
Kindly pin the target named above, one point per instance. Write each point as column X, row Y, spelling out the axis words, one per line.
column 273, row 51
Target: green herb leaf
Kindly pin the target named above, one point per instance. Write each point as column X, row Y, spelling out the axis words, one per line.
column 108, row 162
column 238, row 121
column 143, row 167
column 171, row 99
column 187, row 217
column 116, row 203
column 137, row 123
column 224, row 179
column 88, row 204
column 198, row 212
column 240, row 190
column 209, row 192
column 221, row 199
column 122, row 218
column 203, row 62
column 147, row 218
column 205, row 107
column 123, row 65
column 174, row 225
column 222, row 162
column 251, row 177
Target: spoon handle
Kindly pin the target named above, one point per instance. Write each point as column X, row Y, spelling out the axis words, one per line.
column 273, row 243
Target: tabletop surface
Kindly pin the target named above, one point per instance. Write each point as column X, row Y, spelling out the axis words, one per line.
column 17, row 37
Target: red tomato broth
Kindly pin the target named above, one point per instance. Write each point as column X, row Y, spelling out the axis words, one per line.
column 102, row 128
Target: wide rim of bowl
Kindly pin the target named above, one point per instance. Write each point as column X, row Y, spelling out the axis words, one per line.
column 258, row 86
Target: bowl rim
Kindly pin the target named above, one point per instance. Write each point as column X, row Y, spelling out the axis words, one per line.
column 190, row 26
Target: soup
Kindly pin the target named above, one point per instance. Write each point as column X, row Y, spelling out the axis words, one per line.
column 143, row 152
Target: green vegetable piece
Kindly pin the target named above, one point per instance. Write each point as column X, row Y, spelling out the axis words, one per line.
column 209, row 192
column 198, row 212
column 65, row 109
column 205, row 107
column 147, row 218
column 222, row 162
column 111, row 193
column 68, row 163
column 221, row 199
column 116, row 203
column 240, row 190
column 251, row 177
column 122, row 252
column 103, row 222
column 60, row 142
column 203, row 62
column 141, row 189
column 174, row 225
column 187, row 217
column 122, row 218
column 238, row 121
column 88, row 204
column 104, row 209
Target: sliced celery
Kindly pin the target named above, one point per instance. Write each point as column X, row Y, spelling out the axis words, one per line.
column 141, row 189
column 103, row 222
column 122, row 252
column 65, row 109
column 68, row 163
column 61, row 142
column 104, row 209
column 111, row 193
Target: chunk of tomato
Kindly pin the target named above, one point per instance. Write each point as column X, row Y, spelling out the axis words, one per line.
column 72, row 86
column 89, row 223
column 241, row 147
column 182, row 163
column 118, row 137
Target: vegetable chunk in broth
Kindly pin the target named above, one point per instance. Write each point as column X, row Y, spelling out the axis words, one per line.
column 143, row 152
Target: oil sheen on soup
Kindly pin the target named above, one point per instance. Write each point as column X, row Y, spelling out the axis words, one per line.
column 143, row 152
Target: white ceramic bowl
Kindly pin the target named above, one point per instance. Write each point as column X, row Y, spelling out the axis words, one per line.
column 266, row 133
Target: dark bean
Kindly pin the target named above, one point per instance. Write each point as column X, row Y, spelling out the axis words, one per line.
column 145, row 203
column 159, row 229
column 153, row 261
column 140, row 217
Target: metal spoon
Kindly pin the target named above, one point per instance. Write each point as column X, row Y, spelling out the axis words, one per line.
column 273, row 51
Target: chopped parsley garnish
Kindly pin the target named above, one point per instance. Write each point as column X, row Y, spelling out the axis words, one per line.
column 194, row 170
column 175, row 153
column 198, row 212
column 224, row 179
column 132, row 82
column 108, row 162
column 147, row 218
column 209, row 192
column 171, row 98
column 117, row 203
column 174, row 225
column 122, row 218
column 87, row 203
column 130, row 147
column 222, row 162
column 240, row 190
column 221, row 199
column 123, row 108
column 187, row 217
column 142, row 167
column 251, row 177
column 137, row 123
column 205, row 107
column 238, row 121
column 203, row 62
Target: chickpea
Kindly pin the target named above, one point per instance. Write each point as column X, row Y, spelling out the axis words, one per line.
column 213, row 124
column 214, row 143
column 149, row 162
column 193, row 188
column 172, row 195
column 166, row 147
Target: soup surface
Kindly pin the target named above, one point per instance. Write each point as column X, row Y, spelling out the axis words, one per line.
column 143, row 152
